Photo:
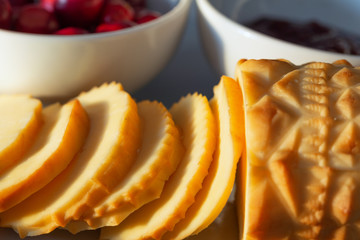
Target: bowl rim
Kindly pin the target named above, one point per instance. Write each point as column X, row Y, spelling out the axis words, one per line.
column 180, row 6
column 205, row 5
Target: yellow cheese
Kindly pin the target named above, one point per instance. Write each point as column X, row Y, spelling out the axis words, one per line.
column 20, row 122
column 63, row 134
column 301, row 178
column 228, row 111
column 106, row 157
column 193, row 116
column 160, row 153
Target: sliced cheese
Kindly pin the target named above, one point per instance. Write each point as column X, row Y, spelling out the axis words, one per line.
column 106, row 157
column 228, row 111
column 20, row 123
column 302, row 158
column 61, row 137
column 160, row 153
column 193, row 116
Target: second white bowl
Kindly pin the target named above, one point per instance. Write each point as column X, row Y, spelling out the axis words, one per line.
column 226, row 41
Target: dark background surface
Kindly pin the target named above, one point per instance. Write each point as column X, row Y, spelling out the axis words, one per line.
column 187, row 72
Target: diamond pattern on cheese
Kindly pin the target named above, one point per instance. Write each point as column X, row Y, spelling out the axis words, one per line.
column 160, row 153
column 60, row 139
column 106, row 157
column 217, row 186
column 192, row 114
column 300, row 167
column 20, row 123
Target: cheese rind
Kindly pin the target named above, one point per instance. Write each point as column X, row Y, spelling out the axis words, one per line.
column 302, row 150
column 158, row 157
column 192, row 114
column 60, row 139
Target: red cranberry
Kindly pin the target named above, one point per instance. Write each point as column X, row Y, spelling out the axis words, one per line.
column 80, row 13
column 117, row 11
column 48, row 4
column 20, row 2
column 16, row 5
column 5, row 14
column 109, row 27
column 146, row 15
column 35, row 19
column 71, row 31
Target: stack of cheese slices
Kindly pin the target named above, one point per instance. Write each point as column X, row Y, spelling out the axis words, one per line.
column 134, row 169
column 137, row 170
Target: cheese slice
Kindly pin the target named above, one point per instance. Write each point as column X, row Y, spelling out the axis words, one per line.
column 160, row 153
column 106, row 157
column 61, row 137
column 192, row 114
column 209, row 202
column 20, row 123
column 302, row 155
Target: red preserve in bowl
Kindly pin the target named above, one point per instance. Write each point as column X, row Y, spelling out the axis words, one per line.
column 310, row 34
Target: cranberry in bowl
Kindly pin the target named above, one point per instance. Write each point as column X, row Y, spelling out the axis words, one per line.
column 57, row 54
column 299, row 30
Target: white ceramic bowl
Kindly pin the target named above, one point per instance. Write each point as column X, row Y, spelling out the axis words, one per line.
column 226, row 41
column 57, row 67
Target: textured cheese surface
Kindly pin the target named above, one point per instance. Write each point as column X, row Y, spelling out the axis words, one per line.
column 160, row 153
column 193, row 116
column 217, row 186
column 302, row 150
column 20, row 122
column 60, row 138
column 104, row 160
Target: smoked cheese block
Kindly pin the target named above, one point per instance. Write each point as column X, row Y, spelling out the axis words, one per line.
column 300, row 170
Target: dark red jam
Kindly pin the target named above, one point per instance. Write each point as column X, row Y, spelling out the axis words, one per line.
column 310, row 34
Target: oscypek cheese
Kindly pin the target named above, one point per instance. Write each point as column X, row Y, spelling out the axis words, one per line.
column 60, row 138
column 227, row 108
column 18, row 129
column 192, row 114
column 300, row 174
column 160, row 152
column 107, row 155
